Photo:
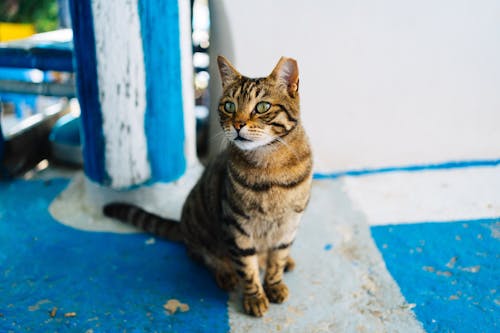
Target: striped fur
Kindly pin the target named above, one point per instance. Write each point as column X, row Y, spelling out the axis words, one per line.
column 245, row 209
column 141, row 219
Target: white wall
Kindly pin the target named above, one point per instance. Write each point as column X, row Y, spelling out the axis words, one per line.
column 383, row 83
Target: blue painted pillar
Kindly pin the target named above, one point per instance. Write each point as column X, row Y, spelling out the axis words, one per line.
column 131, row 67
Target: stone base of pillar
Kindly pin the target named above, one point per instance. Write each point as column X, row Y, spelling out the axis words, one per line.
column 80, row 205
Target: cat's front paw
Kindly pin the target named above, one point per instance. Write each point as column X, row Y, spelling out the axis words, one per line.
column 277, row 293
column 227, row 281
column 256, row 305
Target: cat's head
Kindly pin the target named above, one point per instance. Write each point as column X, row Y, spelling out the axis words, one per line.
column 257, row 112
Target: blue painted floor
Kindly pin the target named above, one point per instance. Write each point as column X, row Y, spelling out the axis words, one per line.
column 450, row 271
column 113, row 283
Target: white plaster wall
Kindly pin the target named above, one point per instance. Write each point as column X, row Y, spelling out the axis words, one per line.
column 383, row 83
column 122, row 90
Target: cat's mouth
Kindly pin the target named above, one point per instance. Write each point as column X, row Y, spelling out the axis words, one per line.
column 240, row 138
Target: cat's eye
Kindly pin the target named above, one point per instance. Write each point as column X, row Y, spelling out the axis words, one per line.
column 262, row 107
column 229, row 107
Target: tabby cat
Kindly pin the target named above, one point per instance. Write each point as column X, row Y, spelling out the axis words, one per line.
column 247, row 205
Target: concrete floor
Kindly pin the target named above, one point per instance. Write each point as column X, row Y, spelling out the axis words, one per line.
column 388, row 251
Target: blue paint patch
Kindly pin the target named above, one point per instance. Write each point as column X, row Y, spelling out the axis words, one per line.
column 88, row 90
column 164, row 119
column 449, row 270
column 409, row 168
column 114, row 283
column 328, row 247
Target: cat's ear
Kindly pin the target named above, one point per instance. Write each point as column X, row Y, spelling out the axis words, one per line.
column 227, row 72
column 286, row 73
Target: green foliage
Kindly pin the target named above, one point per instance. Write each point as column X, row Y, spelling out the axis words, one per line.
column 43, row 13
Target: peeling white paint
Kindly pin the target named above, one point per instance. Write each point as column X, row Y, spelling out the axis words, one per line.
column 122, row 90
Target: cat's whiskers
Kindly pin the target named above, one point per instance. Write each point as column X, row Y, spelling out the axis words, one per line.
column 226, row 139
column 217, row 136
column 260, row 155
column 222, row 139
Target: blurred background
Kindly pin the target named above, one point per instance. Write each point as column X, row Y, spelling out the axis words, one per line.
column 37, row 84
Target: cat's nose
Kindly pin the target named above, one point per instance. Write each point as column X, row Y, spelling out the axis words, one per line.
column 239, row 125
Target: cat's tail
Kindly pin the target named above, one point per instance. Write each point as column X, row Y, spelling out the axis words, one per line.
column 151, row 223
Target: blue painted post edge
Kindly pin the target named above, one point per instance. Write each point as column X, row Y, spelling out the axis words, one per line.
column 164, row 120
column 88, row 92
